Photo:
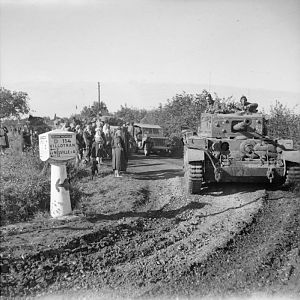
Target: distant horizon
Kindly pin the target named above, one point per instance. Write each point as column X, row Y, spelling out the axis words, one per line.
column 149, row 95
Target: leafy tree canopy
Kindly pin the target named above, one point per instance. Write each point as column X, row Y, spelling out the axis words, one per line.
column 93, row 111
column 284, row 123
column 130, row 114
column 13, row 104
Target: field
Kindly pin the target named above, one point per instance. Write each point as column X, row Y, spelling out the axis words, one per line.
column 141, row 236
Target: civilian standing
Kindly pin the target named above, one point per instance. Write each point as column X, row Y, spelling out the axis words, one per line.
column 80, row 144
column 26, row 138
column 119, row 155
column 88, row 140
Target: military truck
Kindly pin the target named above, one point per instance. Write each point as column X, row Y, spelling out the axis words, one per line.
column 150, row 139
column 234, row 147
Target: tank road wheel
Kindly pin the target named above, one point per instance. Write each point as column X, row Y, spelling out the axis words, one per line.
column 194, row 177
column 293, row 175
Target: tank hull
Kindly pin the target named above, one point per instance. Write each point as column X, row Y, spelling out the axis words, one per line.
column 234, row 148
column 246, row 173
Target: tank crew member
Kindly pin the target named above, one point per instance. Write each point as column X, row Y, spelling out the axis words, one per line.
column 247, row 106
column 210, row 103
column 209, row 100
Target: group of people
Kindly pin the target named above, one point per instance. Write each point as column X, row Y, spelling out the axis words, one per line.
column 217, row 107
column 96, row 141
column 29, row 138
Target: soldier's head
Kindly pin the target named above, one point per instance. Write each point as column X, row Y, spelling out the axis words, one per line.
column 209, row 99
column 243, row 100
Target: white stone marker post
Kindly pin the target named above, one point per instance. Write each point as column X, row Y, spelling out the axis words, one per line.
column 58, row 147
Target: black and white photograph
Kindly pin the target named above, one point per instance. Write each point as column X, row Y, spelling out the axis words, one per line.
column 149, row 149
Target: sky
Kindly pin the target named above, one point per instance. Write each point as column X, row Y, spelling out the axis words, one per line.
column 144, row 52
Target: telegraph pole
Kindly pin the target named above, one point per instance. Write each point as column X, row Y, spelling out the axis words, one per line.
column 99, row 101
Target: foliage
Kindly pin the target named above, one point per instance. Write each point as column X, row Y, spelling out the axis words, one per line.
column 154, row 116
column 24, row 191
column 25, row 185
column 283, row 123
column 184, row 110
column 130, row 114
column 13, row 104
column 94, row 110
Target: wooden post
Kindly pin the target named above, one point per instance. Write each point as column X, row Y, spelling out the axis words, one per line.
column 99, row 100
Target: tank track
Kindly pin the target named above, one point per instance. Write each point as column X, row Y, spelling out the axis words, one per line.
column 293, row 175
column 194, row 177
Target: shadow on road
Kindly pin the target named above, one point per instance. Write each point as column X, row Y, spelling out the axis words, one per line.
column 157, row 174
column 153, row 214
column 131, row 165
column 139, row 157
column 224, row 189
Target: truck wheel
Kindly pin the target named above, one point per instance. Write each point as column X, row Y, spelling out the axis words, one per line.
column 194, row 177
column 293, row 175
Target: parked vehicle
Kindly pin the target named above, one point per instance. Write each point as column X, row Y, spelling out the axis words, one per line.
column 235, row 147
column 150, row 139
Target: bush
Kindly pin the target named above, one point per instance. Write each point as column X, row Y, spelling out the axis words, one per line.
column 283, row 123
column 25, row 186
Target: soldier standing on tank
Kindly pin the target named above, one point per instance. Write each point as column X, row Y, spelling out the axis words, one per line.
column 247, row 106
column 210, row 102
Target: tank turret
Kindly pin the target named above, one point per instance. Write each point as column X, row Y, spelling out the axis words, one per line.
column 242, row 125
column 234, row 147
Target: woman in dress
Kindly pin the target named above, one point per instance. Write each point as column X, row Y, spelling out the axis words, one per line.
column 118, row 154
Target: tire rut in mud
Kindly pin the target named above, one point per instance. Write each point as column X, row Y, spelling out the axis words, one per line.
column 141, row 254
column 263, row 259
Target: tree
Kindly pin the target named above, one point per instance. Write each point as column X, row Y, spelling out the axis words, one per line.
column 94, row 111
column 184, row 110
column 130, row 114
column 13, row 104
column 284, row 123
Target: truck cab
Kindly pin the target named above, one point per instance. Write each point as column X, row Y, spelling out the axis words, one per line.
column 150, row 139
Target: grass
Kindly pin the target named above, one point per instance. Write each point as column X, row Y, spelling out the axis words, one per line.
column 25, row 185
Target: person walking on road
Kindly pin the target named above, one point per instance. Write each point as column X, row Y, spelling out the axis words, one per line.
column 119, row 158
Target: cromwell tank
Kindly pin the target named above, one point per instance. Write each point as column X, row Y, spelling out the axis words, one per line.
column 234, row 147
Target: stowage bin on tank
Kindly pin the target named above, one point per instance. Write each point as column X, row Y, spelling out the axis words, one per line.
column 234, row 147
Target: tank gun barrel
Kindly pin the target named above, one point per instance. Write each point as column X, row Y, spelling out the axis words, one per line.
column 242, row 125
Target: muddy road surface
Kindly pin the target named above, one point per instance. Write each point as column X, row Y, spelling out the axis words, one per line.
column 141, row 236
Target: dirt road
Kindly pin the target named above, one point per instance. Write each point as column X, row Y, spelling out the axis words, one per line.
column 142, row 236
